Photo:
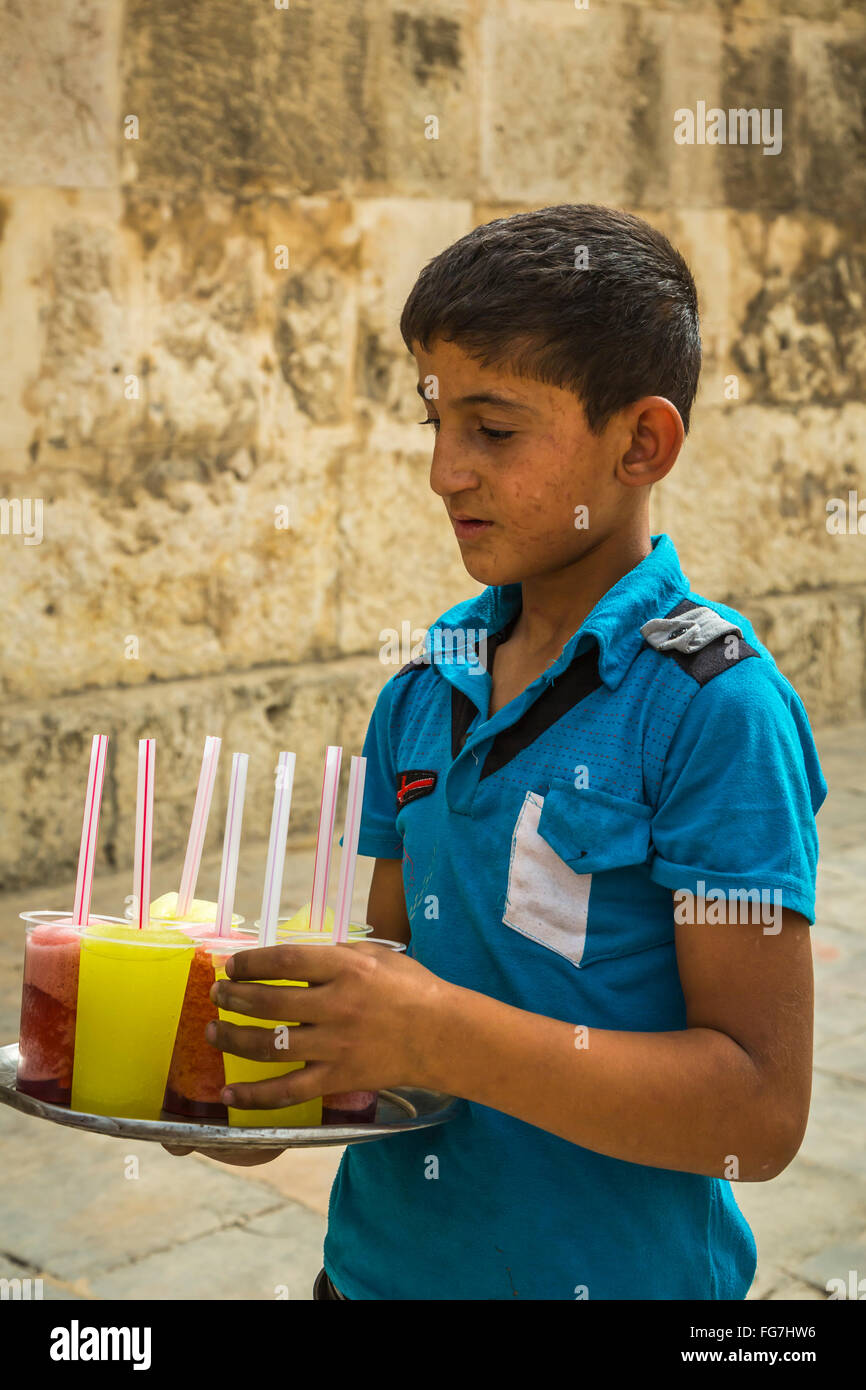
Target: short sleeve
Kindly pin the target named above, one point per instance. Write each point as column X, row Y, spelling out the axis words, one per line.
column 740, row 789
column 379, row 836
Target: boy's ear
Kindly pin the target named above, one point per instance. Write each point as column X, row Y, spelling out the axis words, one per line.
column 657, row 435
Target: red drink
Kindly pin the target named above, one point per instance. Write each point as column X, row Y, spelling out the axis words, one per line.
column 48, row 1003
column 350, row 1108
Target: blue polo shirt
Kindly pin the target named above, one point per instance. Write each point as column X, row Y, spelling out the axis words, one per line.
column 540, row 848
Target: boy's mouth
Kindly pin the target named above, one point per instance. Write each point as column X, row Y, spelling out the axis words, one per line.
column 467, row 527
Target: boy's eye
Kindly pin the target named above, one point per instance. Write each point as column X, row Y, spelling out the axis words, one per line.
column 482, row 429
column 495, row 434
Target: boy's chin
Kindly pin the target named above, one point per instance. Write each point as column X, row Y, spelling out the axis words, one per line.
column 489, row 571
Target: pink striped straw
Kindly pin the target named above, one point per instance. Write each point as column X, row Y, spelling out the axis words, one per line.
column 349, row 857
column 144, row 828
column 198, row 827
column 231, row 844
column 89, row 829
column 277, row 850
column 325, row 838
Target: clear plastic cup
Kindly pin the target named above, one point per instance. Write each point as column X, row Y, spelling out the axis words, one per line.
column 196, row 1075
column 345, row 1107
column 305, row 1113
column 49, row 998
column 300, row 924
column 131, row 985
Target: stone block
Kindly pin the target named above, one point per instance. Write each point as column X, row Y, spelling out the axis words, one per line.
column 69, row 304
column 828, row 66
column 60, row 94
column 317, row 96
column 577, row 144
column 758, row 72
column 802, row 338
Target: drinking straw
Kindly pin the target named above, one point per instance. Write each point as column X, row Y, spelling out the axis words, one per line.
column 325, row 838
column 231, row 844
column 349, row 857
column 144, row 828
column 195, row 843
column 277, row 850
column 89, row 828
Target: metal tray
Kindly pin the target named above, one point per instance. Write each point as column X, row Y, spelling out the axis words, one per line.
column 403, row 1109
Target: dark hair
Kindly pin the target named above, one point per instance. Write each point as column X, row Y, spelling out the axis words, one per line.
column 509, row 294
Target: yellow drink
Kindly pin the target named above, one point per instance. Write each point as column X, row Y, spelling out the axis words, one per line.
column 307, row 1112
column 292, row 926
column 131, row 985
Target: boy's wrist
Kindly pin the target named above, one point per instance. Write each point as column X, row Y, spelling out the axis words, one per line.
column 433, row 1034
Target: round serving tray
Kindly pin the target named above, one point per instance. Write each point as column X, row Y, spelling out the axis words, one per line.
column 400, row 1110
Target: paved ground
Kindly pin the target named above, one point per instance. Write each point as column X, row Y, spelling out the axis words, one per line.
column 97, row 1218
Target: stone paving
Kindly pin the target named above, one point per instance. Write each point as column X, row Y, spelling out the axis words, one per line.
column 96, row 1218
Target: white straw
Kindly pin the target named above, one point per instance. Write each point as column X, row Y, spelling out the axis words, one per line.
column 144, row 828
column 325, row 838
column 277, row 850
column 89, row 829
column 232, row 844
column 198, row 827
column 349, row 857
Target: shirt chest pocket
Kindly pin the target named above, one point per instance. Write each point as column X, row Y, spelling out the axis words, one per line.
column 560, row 841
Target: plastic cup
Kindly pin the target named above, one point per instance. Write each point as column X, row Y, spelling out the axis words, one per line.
column 131, row 985
column 49, row 998
column 345, row 1107
column 299, row 924
column 196, row 1076
column 307, row 1113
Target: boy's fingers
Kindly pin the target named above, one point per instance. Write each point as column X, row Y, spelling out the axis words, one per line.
column 280, row 1044
column 283, row 1003
column 313, row 963
column 305, row 1084
column 177, row 1150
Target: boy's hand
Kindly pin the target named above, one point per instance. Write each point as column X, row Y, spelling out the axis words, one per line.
column 241, row 1158
column 362, row 1020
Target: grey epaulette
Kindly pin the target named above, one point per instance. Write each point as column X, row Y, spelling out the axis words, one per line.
column 701, row 641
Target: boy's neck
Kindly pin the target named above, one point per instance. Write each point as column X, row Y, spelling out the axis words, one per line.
column 556, row 604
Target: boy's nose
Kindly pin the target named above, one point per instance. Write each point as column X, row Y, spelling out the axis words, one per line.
column 450, row 472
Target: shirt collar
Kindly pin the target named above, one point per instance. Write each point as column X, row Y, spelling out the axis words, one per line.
column 647, row 591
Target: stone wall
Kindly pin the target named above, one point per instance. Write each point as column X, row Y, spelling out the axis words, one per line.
column 170, row 380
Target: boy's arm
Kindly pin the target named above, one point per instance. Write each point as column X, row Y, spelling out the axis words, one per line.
column 727, row 1097
column 386, row 903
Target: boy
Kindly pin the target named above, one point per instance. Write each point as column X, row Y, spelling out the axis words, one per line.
column 592, row 812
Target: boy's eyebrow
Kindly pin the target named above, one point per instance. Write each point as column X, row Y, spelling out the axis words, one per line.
column 485, row 398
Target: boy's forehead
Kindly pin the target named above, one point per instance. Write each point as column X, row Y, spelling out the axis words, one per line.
column 457, row 375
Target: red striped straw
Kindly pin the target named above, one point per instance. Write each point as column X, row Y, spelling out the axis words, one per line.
column 349, row 857
column 144, row 828
column 198, row 827
column 231, row 844
column 89, row 829
column 325, row 838
column 277, row 850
